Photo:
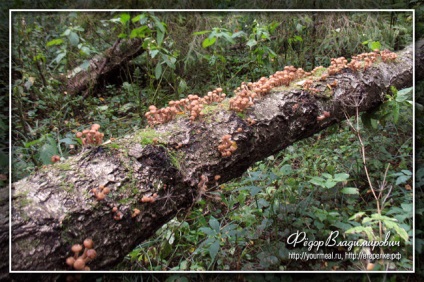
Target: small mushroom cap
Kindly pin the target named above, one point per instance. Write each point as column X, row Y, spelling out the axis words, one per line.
column 79, row 264
column 91, row 253
column 70, row 261
column 95, row 126
column 78, row 134
column 88, row 243
column 100, row 196
column 76, row 248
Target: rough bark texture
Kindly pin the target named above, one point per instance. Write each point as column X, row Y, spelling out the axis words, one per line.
column 54, row 209
column 104, row 68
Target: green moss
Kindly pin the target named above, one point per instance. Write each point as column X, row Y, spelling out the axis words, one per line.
column 146, row 136
column 241, row 115
column 176, row 158
column 124, row 201
column 319, row 72
column 209, row 109
column 64, row 166
column 113, row 145
column 68, row 187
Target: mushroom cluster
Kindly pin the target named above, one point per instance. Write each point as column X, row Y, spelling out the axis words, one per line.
column 337, row 64
column 244, row 97
column 247, row 93
column 324, row 115
column 365, row 60
column 101, row 192
column 192, row 105
column 135, row 213
column 227, row 146
column 79, row 262
column 91, row 136
column 215, row 96
column 149, row 199
column 117, row 214
column 386, row 55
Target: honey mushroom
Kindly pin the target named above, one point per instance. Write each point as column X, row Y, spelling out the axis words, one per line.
column 91, row 136
column 79, row 262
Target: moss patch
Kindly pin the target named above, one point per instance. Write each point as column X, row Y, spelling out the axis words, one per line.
column 64, row 166
column 146, row 136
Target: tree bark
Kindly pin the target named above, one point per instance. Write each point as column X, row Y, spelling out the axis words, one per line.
column 53, row 208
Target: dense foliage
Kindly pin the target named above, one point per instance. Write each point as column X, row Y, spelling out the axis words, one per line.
column 317, row 185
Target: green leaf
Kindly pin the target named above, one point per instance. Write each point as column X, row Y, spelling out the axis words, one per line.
column 67, row 141
column 66, row 32
column 402, row 233
column 238, row 34
column 374, row 45
column 207, row 231
column 34, row 142
column 286, row 169
column 213, row 249
column 253, row 190
column 153, row 53
column 251, row 43
column 341, row 225
column 140, row 32
column 350, row 191
column 159, row 37
column 159, row 24
column 182, row 86
column 330, row 184
column 339, row 177
column 404, row 94
column 299, row 27
column 73, row 38
column 201, row 32
column 138, row 18
column 327, row 175
column 55, row 42
column 357, row 215
column 402, row 179
column 158, row 71
column 406, row 207
column 213, row 222
column 395, row 112
column 317, row 181
column 46, row 153
column 124, row 18
column 208, row 42
column 228, row 37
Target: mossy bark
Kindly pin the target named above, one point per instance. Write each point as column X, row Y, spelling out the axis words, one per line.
column 54, row 208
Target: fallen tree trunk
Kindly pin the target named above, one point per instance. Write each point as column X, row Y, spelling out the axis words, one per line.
column 54, row 208
column 104, row 68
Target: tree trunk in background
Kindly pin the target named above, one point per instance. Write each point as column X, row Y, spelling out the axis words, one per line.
column 54, row 208
column 104, row 68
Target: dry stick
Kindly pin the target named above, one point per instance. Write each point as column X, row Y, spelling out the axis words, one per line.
column 365, row 165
